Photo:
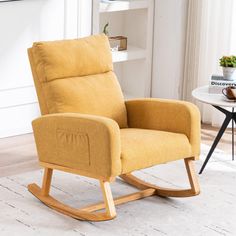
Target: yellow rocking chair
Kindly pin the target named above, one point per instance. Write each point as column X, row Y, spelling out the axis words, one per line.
column 88, row 129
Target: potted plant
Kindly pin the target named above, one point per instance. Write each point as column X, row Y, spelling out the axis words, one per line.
column 228, row 64
column 105, row 29
column 117, row 43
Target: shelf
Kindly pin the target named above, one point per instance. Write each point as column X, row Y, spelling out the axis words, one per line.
column 122, row 5
column 133, row 53
column 134, row 66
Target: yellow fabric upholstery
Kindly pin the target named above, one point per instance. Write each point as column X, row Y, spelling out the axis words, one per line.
column 38, row 85
column 87, row 94
column 166, row 115
column 72, row 58
column 142, row 148
column 76, row 76
column 78, row 89
column 83, row 142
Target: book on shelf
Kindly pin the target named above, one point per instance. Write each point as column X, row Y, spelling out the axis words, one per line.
column 217, row 83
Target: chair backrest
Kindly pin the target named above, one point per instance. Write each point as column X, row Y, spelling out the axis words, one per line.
column 77, row 76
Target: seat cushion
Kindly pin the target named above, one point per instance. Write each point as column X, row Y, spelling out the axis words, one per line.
column 142, row 148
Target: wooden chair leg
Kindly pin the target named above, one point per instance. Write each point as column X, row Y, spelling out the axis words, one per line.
column 43, row 195
column 192, row 176
column 47, row 178
column 108, row 199
column 168, row 192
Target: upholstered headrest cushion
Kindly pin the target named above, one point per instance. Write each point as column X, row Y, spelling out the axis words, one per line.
column 77, row 76
column 72, row 58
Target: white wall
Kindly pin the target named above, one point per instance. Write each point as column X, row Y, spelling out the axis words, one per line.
column 169, row 47
column 233, row 32
column 22, row 23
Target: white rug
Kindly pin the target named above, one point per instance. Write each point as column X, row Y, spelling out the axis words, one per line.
column 213, row 212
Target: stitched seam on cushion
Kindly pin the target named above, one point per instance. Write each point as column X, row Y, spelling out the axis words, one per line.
column 77, row 76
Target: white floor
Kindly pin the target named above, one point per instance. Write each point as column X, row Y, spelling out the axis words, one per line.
column 213, row 212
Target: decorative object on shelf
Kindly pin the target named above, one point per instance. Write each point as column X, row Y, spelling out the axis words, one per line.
column 105, row 29
column 118, row 43
column 228, row 64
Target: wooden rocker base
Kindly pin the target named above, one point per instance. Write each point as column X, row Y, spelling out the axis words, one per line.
column 168, row 192
column 89, row 212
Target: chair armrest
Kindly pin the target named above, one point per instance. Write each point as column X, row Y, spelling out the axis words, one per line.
column 86, row 143
column 166, row 115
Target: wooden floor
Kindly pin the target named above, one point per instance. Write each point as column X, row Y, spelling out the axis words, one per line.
column 209, row 133
column 18, row 154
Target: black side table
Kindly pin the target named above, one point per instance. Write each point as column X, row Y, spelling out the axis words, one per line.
column 218, row 101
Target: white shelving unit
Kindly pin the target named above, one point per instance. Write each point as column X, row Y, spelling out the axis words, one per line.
column 133, row 19
column 109, row 6
column 133, row 53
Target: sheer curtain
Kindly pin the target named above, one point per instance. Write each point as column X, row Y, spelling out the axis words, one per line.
column 210, row 34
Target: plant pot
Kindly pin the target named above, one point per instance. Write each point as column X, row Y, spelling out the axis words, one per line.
column 229, row 73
